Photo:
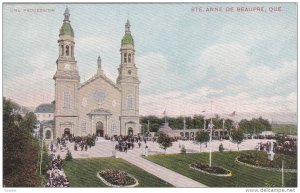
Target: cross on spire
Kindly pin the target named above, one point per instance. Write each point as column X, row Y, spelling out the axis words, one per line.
column 67, row 14
column 127, row 27
column 99, row 65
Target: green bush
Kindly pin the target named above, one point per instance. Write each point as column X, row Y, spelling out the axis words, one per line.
column 221, row 148
column 69, row 156
column 183, row 150
column 261, row 159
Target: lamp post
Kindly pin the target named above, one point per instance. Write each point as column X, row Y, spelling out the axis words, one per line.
column 282, row 174
column 148, row 125
column 210, row 137
column 41, row 156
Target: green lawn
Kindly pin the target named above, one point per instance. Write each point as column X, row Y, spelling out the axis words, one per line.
column 243, row 176
column 287, row 129
column 83, row 172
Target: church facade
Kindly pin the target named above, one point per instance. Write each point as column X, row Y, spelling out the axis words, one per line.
column 99, row 105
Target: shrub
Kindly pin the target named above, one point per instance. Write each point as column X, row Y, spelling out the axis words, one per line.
column 212, row 169
column 261, row 159
column 117, row 177
column 69, row 156
column 164, row 141
column 221, row 148
column 183, row 150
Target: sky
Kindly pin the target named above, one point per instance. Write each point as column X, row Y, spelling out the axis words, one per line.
column 188, row 61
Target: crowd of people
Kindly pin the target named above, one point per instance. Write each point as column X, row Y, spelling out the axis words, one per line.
column 125, row 143
column 283, row 145
column 80, row 143
column 55, row 176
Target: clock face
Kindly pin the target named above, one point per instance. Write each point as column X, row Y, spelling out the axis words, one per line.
column 114, row 103
column 67, row 66
column 100, row 95
column 84, row 102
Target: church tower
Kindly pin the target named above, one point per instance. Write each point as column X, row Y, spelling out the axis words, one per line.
column 129, row 83
column 66, row 82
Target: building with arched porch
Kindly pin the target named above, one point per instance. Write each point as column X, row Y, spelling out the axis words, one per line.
column 190, row 134
column 99, row 105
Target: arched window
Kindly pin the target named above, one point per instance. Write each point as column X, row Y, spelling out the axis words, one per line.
column 67, row 50
column 66, row 100
column 72, row 51
column 129, row 58
column 125, row 57
column 62, row 50
column 129, row 102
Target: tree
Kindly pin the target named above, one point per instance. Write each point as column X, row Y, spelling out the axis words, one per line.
column 20, row 148
column 255, row 125
column 164, row 140
column 46, row 161
column 154, row 123
column 202, row 137
column 198, row 121
column 237, row 137
column 228, row 124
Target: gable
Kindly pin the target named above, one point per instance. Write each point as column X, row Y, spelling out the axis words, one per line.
column 99, row 76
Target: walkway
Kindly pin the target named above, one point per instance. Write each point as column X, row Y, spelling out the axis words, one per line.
column 105, row 148
column 163, row 173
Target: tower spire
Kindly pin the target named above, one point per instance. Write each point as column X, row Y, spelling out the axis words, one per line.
column 127, row 27
column 67, row 15
column 99, row 64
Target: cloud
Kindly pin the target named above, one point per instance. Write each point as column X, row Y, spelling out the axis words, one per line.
column 177, row 102
column 28, row 89
column 153, row 72
column 184, row 103
column 265, row 76
column 227, row 60
column 105, row 44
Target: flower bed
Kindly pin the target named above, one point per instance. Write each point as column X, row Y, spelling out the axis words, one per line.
column 117, row 178
column 260, row 159
column 213, row 170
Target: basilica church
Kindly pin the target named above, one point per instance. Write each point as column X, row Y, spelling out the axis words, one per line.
column 99, row 105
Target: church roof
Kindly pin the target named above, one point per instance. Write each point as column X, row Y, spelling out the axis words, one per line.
column 45, row 108
column 99, row 75
column 165, row 128
column 127, row 38
column 66, row 28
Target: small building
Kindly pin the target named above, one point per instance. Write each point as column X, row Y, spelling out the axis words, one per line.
column 166, row 129
column 45, row 112
column 190, row 134
column 45, row 120
column 267, row 133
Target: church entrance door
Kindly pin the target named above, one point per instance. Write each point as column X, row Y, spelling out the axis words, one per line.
column 67, row 133
column 99, row 129
column 130, row 131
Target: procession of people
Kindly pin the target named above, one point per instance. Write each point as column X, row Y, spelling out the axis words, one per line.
column 55, row 176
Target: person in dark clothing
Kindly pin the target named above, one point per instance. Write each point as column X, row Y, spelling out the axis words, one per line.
column 139, row 144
